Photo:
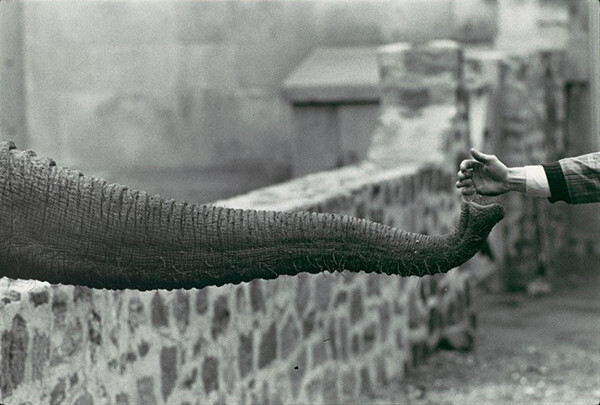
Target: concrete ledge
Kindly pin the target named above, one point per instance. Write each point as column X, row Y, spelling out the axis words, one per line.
column 335, row 76
column 313, row 189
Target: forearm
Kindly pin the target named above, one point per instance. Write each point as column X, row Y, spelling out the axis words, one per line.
column 575, row 180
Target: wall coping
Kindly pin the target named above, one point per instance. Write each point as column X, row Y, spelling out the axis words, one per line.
column 335, row 75
column 310, row 190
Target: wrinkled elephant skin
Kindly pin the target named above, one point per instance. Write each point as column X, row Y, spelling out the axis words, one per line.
column 60, row 226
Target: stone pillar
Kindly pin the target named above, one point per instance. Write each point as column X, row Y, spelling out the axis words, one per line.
column 13, row 117
column 482, row 74
column 423, row 104
column 532, row 118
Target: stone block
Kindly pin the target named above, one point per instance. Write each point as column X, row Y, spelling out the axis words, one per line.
column 308, row 323
column 400, row 339
column 122, row 399
column 145, row 391
column 221, row 316
column 202, row 301
column 302, row 292
column 58, row 394
column 348, row 384
column 343, row 338
column 257, row 299
column 313, row 389
column 381, row 371
column 74, row 379
column 319, row 353
column 210, row 374
column 332, row 337
column 384, row 320
column 190, row 379
column 83, row 294
column 340, row 299
column 369, row 336
column 137, row 314
column 14, row 351
column 322, row 291
column 246, row 354
column 72, row 339
column 330, row 387
column 373, row 285
column 40, row 353
column 39, row 297
column 181, row 309
column 290, row 337
column 84, row 399
column 228, row 372
column 159, row 311
column 268, row 347
column 59, row 307
column 356, row 305
column 143, row 348
column 416, row 76
column 366, row 387
column 355, row 344
column 297, row 372
column 168, row 370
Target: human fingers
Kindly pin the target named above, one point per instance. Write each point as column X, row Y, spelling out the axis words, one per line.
column 464, row 174
column 464, row 183
column 469, row 190
column 469, row 164
column 481, row 157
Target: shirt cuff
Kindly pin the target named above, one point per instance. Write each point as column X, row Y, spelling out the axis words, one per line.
column 536, row 182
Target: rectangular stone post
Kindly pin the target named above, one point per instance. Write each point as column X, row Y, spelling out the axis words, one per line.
column 424, row 115
column 482, row 75
column 532, row 119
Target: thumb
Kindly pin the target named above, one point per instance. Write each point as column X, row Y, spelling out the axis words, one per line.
column 481, row 157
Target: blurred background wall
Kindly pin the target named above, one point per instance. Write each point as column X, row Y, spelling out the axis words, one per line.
column 119, row 87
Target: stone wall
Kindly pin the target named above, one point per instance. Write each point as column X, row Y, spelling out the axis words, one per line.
column 529, row 126
column 306, row 339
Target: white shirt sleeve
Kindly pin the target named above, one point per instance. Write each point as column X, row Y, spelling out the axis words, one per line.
column 536, row 182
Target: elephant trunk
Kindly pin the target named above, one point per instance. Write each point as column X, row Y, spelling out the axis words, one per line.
column 60, row 226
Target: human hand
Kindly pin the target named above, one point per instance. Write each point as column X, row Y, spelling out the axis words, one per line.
column 486, row 175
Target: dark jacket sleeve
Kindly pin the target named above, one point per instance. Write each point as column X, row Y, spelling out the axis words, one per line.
column 575, row 180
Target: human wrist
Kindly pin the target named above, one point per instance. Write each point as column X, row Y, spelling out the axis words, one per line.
column 516, row 179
